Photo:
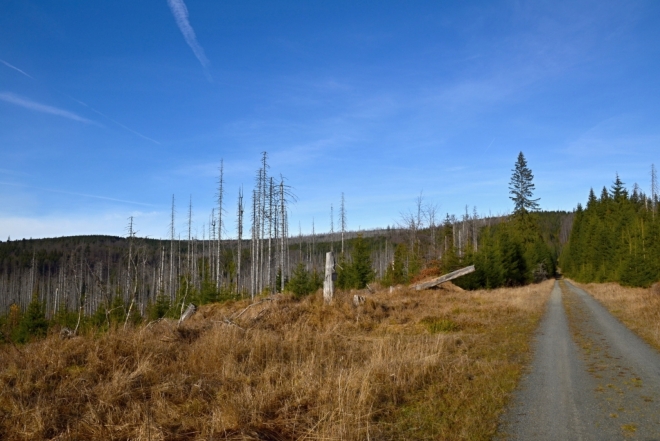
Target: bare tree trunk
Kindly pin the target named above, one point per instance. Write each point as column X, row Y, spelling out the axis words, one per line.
column 342, row 221
column 240, row 240
column 332, row 228
column 170, row 290
column 270, row 233
column 130, row 254
column 328, row 282
column 283, row 233
column 654, row 189
column 253, row 247
column 262, row 214
column 203, row 251
column 220, row 194
column 189, row 261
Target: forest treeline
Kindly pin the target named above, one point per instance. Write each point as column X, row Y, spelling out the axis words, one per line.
column 100, row 281
column 103, row 275
column 616, row 237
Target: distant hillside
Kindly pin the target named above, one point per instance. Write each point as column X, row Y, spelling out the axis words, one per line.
column 89, row 272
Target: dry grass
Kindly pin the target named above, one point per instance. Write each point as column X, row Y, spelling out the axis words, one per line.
column 406, row 365
column 637, row 308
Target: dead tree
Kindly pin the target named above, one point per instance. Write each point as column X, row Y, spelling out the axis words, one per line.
column 212, row 224
column 446, row 278
column 189, row 261
column 342, row 221
column 271, row 207
column 430, row 215
column 282, row 232
column 220, row 194
column 172, row 231
column 332, row 228
column 240, row 239
column 654, row 189
column 263, row 186
column 253, row 245
column 286, row 195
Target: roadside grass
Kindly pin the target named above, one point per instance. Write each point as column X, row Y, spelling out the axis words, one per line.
column 637, row 308
column 405, row 365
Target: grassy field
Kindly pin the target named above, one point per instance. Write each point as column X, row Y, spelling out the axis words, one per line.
column 637, row 308
column 405, row 365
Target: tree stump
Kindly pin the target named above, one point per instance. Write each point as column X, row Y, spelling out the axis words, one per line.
column 328, row 282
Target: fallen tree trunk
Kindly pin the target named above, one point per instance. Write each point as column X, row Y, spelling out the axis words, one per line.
column 446, row 278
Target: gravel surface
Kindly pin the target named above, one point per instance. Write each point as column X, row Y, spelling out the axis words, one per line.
column 591, row 378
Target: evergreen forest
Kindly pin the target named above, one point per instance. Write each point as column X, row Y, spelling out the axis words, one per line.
column 615, row 238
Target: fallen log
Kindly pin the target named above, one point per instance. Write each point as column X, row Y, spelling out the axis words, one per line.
column 446, row 278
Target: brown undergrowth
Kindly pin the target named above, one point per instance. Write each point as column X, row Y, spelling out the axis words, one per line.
column 405, row 365
column 637, row 308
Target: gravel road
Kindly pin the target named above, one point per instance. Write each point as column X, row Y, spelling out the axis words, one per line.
column 591, row 378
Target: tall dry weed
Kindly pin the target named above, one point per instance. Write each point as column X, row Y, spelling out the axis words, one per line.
column 284, row 369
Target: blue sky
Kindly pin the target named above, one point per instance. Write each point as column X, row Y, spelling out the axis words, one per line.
column 109, row 108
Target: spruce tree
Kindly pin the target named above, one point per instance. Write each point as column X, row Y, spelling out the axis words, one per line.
column 361, row 266
column 618, row 191
column 592, row 200
column 395, row 273
column 33, row 323
column 521, row 187
column 301, row 282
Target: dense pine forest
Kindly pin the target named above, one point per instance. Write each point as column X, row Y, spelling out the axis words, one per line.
column 616, row 237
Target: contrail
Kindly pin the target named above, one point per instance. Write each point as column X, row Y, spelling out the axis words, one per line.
column 180, row 13
column 116, row 122
column 32, row 105
column 15, row 68
column 53, row 190
column 83, row 104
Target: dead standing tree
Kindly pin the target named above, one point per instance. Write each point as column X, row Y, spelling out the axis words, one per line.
column 218, row 248
column 342, row 221
column 170, row 287
column 285, row 196
column 240, row 240
column 272, row 206
column 332, row 228
column 654, row 189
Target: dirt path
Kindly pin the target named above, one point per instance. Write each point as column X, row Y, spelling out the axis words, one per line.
column 591, row 378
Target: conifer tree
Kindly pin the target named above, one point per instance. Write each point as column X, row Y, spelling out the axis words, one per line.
column 618, row 191
column 395, row 273
column 591, row 201
column 521, row 187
